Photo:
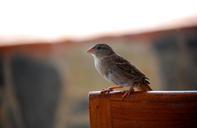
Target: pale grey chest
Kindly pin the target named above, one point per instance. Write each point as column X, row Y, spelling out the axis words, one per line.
column 98, row 66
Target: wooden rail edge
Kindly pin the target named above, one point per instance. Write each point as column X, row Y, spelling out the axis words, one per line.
column 163, row 109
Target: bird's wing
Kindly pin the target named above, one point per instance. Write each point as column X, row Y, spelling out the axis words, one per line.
column 129, row 70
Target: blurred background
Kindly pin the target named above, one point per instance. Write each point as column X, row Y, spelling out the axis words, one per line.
column 46, row 74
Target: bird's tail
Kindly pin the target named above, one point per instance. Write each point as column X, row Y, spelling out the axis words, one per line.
column 143, row 85
column 147, row 87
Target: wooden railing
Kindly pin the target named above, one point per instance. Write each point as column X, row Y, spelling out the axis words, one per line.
column 154, row 109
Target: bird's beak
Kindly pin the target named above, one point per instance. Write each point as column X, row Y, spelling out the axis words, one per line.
column 91, row 50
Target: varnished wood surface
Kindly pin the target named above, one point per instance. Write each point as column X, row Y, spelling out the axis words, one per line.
column 154, row 109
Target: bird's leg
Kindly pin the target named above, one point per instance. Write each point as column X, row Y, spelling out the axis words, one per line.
column 108, row 90
column 128, row 93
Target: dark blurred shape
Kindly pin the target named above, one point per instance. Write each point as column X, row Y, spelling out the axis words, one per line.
column 168, row 51
column 37, row 85
column 33, row 83
column 1, row 72
column 192, row 70
column 177, row 54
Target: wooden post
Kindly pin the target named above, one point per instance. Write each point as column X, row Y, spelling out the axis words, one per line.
column 163, row 109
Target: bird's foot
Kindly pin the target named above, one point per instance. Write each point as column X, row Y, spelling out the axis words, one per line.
column 106, row 91
column 127, row 93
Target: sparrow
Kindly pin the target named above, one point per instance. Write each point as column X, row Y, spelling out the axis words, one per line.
column 118, row 70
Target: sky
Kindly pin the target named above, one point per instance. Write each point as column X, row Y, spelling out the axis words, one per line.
column 83, row 18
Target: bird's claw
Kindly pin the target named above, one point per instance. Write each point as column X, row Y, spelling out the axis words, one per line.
column 124, row 95
column 106, row 91
column 127, row 93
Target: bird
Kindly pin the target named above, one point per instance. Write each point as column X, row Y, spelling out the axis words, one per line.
column 118, row 70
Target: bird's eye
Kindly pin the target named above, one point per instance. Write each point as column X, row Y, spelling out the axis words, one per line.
column 98, row 47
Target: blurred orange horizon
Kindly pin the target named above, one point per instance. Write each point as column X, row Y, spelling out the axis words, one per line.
column 183, row 23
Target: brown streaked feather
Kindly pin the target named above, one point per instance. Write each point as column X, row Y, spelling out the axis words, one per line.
column 128, row 70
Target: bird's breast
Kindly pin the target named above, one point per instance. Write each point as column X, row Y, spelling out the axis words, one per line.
column 101, row 67
column 98, row 65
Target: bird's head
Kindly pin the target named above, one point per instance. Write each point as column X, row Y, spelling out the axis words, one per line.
column 101, row 50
